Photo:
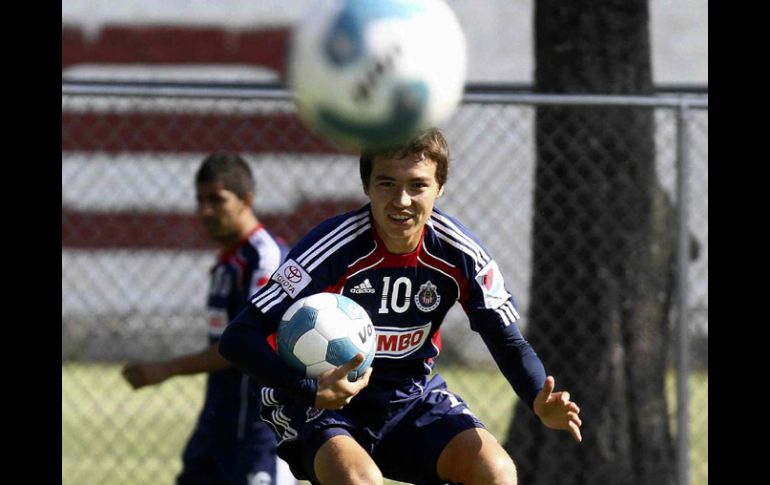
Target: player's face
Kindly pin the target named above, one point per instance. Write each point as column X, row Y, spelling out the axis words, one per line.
column 220, row 211
column 402, row 192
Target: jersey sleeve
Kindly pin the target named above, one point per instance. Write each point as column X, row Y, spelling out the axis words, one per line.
column 492, row 313
column 313, row 265
column 270, row 256
column 245, row 343
column 490, row 307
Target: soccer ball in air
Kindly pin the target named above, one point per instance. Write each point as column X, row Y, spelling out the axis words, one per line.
column 371, row 73
column 324, row 331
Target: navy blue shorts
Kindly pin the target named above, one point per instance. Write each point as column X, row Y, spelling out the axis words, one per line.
column 404, row 429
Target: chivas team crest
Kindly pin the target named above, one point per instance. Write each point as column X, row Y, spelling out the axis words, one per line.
column 427, row 299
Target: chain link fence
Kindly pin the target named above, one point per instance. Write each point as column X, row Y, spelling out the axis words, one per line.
column 135, row 260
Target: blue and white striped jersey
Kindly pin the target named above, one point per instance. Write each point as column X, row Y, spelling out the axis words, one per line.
column 238, row 273
column 407, row 297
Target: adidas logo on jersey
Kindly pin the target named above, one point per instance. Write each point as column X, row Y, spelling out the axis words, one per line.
column 365, row 287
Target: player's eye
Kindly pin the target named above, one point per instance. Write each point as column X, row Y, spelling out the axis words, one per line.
column 212, row 200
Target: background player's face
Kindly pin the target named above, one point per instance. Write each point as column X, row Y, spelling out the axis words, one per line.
column 402, row 192
column 220, row 211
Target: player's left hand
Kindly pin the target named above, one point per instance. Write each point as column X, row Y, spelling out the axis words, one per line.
column 556, row 411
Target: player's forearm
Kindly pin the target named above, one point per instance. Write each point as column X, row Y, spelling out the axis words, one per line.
column 519, row 364
column 245, row 346
column 208, row 360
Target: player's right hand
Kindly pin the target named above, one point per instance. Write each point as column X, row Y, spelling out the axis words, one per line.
column 144, row 374
column 334, row 389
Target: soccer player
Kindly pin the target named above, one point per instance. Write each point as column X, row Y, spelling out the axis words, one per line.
column 406, row 262
column 230, row 444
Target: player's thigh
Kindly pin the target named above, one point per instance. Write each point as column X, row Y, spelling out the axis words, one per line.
column 473, row 457
column 409, row 452
column 341, row 460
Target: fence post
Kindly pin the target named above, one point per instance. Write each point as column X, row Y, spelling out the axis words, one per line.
column 683, row 262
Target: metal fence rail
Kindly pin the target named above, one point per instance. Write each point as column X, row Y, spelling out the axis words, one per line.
column 134, row 260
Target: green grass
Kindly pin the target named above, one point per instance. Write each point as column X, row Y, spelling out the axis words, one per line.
column 698, row 386
column 113, row 434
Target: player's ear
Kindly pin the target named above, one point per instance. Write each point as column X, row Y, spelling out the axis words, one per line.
column 248, row 199
column 366, row 189
column 440, row 192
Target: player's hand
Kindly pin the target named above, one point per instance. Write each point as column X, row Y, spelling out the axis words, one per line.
column 334, row 389
column 556, row 411
column 144, row 374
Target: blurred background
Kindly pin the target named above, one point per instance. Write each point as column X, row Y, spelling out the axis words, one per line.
column 135, row 260
column 241, row 40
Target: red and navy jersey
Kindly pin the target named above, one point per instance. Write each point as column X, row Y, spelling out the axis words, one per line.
column 407, row 297
column 238, row 273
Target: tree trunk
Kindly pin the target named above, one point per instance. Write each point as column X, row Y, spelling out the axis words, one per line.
column 602, row 254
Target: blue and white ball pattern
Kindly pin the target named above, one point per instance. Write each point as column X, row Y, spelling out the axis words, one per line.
column 371, row 73
column 323, row 331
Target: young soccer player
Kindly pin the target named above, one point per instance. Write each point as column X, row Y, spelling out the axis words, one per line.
column 406, row 262
column 230, row 444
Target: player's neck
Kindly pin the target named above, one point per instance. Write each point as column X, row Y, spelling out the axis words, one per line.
column 248, row 225
column 399, row 245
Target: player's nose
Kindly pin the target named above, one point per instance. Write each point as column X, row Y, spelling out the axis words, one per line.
column 402, row 198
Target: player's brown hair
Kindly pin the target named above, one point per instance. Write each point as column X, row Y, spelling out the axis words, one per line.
column 431, row 143
column 231, row 169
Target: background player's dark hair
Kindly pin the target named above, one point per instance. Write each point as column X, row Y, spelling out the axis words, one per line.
column 231, row 169
column 431, row 142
